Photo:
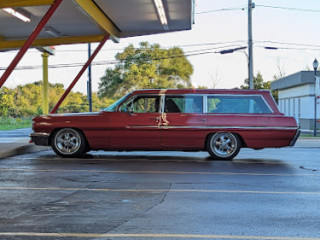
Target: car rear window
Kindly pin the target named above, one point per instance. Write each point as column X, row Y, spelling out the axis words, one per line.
column 237, row 104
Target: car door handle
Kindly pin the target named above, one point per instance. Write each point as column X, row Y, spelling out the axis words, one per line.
column 203, row 120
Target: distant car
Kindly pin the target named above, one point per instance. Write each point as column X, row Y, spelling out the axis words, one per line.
column 218, row 121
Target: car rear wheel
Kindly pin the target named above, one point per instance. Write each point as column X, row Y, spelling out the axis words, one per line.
column 223, row 145
column 68, row 142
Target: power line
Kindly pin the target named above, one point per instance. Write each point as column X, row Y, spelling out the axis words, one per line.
column 288, row 48
column 197, row 52
column 112, row 62
column 260, row 5
column 289, row 8
column 222, row 10
column 122, row 49
column 185, row 54
column 289, row 43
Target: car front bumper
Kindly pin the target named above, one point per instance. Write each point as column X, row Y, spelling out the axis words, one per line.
column 41, row 139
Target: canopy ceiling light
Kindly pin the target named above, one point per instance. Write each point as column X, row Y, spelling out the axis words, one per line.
column 161, row 12
column 23, row 16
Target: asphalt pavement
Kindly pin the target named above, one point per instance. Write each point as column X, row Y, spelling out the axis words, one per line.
column 264, row 194
column 15, row 142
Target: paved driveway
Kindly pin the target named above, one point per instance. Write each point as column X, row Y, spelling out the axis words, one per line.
column 266, row 194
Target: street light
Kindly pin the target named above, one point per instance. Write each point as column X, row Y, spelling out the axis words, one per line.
column 315, row 67
column 231, row 50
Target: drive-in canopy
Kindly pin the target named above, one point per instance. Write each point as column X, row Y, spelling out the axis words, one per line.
column 80, row 21
column 26, row 23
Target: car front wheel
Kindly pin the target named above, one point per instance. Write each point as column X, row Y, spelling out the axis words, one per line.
column 68, row 142
column 223, row 145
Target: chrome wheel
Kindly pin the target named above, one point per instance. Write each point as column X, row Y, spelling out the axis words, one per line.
column 224, row 145
column 67, row 141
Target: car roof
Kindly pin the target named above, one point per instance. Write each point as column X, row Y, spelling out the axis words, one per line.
column 200, row 91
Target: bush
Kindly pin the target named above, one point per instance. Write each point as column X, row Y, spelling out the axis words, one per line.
column 8, row 123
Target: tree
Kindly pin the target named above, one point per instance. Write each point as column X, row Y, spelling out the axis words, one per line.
column 6, row 100
column 27, row 100
column 258, row 83
column 148, row 66
column 281, row 71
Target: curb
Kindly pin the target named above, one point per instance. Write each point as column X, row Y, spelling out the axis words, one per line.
column 29, row 148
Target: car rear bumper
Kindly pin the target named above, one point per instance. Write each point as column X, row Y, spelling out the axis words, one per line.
column 41, row 139
column 296, row 136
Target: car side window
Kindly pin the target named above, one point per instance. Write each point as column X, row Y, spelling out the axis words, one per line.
column 237, row 104
column 141, row 104
column 183, row 104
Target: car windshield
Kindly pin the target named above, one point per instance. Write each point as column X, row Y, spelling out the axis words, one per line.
column 113, row 107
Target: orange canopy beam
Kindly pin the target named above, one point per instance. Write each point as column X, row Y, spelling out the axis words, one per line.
column 24, row 3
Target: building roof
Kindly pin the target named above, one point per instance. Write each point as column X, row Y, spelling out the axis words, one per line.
column 293, row 80
column 80, row 21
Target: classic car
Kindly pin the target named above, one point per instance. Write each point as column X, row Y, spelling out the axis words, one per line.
column 218, row 121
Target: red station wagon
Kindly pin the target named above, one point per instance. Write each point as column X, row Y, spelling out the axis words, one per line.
column 218, row 121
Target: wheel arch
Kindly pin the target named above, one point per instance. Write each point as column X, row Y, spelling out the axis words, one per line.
column 59, row 128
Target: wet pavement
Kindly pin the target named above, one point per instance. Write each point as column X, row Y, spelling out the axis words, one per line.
column 266, row 194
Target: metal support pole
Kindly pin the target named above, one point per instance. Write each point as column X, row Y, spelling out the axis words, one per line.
column 45, row 57
column 250, row 45
column 29, row 41
column 315, row 104
column 89, row 86
column 54, row 109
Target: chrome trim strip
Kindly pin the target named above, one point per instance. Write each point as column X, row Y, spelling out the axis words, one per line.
column 205, row 103
column 39, row 135
column 214, row 127
column 162, row 101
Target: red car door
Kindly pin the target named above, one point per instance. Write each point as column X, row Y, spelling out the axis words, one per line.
column 136, row 124
column 183, row 122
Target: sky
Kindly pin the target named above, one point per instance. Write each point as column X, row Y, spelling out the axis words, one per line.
column 289, row 25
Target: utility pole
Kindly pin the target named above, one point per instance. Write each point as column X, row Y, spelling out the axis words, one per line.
column 250, row 44
column 89, row 85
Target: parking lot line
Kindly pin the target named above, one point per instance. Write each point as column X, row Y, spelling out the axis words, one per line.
column 149, row 235
column 154, row 190
column 153, row 172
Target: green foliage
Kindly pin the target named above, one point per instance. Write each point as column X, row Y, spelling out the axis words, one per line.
column 6, row 100
column 258, row 83
column 14, row 123
column 27, row 100
column 146, row 67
